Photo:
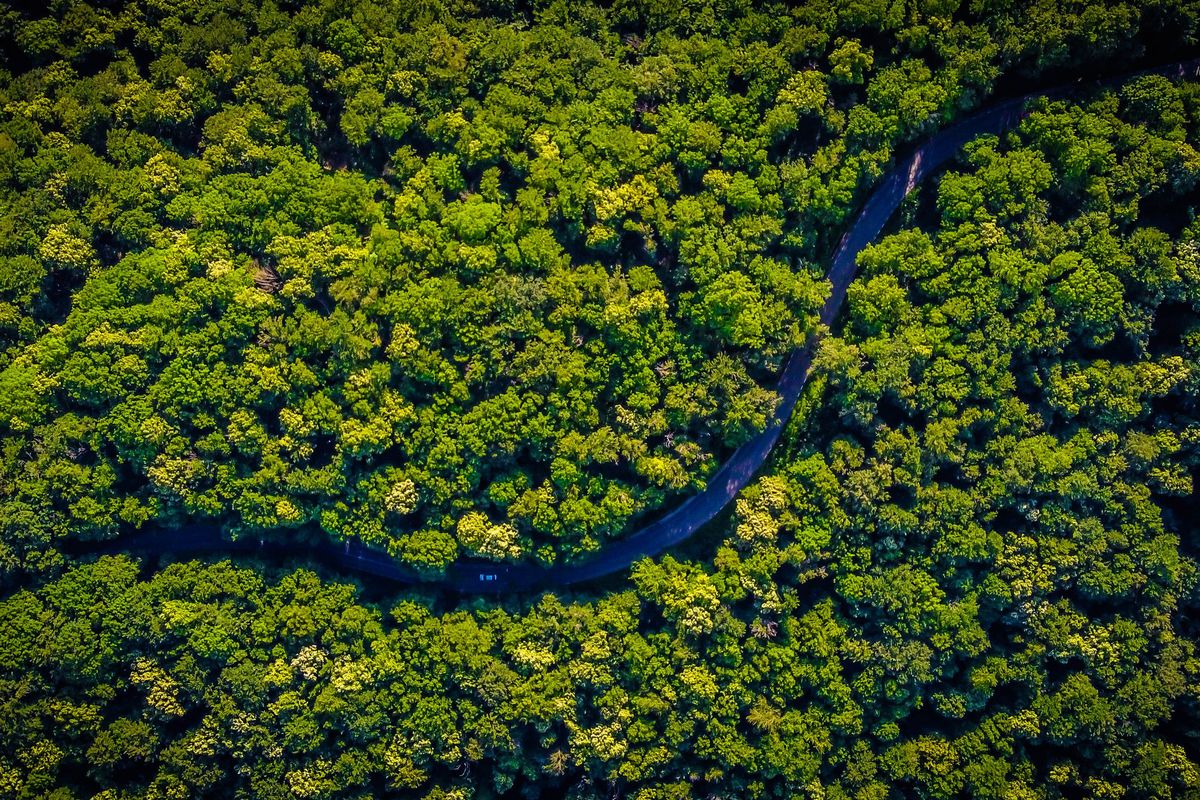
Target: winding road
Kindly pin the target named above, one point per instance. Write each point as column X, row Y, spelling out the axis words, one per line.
column 476, row 577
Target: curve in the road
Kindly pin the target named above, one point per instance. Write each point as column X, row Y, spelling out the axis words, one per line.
column 694, row 512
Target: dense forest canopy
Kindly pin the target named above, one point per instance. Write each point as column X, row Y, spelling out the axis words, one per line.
column 446, row 280
column 502, row 279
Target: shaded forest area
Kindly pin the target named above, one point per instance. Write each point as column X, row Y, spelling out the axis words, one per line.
column 498, row 280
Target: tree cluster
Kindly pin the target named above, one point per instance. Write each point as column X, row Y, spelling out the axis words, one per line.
column 449, row 278
column 969, row 570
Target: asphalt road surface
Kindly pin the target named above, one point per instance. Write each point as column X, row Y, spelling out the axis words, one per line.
column 478, row 577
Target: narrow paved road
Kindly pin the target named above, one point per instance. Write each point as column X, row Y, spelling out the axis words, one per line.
column 694, row 512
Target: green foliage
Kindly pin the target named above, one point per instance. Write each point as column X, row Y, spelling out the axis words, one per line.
column 253, row 261
column 498, row 280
